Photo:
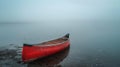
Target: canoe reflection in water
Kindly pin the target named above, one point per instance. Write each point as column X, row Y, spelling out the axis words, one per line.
column 50, row 61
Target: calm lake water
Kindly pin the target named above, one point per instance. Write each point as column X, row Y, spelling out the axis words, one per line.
column 93, row 44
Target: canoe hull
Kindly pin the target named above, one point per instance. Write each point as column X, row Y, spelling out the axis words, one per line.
column 31, row 53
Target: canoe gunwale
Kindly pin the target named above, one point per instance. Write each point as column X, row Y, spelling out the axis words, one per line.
column 65, row 39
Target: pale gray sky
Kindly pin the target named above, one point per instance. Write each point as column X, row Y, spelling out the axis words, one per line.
column 58, row 10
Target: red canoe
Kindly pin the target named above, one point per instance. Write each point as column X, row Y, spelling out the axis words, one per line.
column 37, row 51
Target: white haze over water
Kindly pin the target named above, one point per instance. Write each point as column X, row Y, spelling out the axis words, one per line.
column 62, row 10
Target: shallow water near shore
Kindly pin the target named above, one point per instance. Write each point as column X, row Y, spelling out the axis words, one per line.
column 93, row 44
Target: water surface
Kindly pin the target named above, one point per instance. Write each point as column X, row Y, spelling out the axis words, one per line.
column 93, row 44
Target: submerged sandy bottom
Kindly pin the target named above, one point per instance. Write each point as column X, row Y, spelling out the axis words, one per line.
column 11, row 57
